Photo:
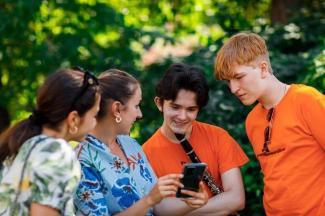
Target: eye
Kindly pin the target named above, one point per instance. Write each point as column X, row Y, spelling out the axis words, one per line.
column 138, row 105
column 239, row 77
column 192, row 109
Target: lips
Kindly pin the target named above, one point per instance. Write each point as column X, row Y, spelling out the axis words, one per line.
column 180, row 124
column 240, row 95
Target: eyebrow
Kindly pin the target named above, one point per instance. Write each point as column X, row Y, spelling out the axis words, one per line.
column 239, row 74
column 173, row 103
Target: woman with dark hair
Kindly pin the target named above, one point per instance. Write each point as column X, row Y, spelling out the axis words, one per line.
column 39, row 170
column 116, row 176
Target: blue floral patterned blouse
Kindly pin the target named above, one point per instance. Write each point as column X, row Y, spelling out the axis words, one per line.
column 108, row 185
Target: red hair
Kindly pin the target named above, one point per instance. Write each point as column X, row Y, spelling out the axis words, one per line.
column 241, row 48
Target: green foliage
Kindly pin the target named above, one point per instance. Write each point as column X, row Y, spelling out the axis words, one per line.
column 37, row 37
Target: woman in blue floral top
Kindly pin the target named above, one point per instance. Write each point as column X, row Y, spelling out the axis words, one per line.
column 39, row 170
column 116, row 175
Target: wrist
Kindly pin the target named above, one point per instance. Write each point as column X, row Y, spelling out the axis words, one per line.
column 148, row 201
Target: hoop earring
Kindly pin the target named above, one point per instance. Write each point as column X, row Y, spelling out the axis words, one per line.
column 118, row 119
column 74, row 131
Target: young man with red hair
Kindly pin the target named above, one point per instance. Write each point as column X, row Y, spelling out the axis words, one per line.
column 285, row 128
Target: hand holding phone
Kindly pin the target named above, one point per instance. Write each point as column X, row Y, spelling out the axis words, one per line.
column 192, row 175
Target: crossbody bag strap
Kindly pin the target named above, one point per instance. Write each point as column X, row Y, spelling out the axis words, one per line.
column 207, row 177
column 13, row 206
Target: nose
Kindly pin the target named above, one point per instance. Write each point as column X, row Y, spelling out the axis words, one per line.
column 182, row 114
column 139, row 114
column 233, row 86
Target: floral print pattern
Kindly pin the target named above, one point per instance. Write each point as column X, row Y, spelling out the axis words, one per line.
column 50, row 178
column 109, row 185
column 125, row 191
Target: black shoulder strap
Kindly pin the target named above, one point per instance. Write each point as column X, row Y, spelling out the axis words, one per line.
column 207, row 177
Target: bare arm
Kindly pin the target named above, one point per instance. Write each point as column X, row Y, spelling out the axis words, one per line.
column 176, row 206
column 41, row 210
column 231, row 200
column 166, row 186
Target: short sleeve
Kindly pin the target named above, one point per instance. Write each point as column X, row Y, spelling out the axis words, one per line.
column 89, row 197
column 229, row 152
column 312, row 107
column 55, row 175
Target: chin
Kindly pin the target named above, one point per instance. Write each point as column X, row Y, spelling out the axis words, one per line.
column 247, row 102
column 179, row 130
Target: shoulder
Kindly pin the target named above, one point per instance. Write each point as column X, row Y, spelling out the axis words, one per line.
column 48, row 148
column 129, row 143
column 55, row 156
column 152, row 141
column 305, row 100
column 209, row 128
column 125, row 139
column 89, row 148
column 301, row 93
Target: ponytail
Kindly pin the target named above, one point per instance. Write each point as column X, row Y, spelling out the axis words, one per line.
column 13, row 138
column 60, row 91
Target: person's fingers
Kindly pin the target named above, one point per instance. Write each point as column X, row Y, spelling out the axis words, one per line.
column 163, row 188
column 193, row 200
column 196, row 199
column 201, row 184
column 173, row 175
column 170, row 181
column 196, row 195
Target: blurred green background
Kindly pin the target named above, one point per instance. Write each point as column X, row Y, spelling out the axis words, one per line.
column 144, row 38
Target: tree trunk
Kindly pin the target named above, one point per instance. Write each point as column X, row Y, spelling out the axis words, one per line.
column 281, row 10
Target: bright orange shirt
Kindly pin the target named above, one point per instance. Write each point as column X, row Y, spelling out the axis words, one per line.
column 294, row 179
column 213, row 145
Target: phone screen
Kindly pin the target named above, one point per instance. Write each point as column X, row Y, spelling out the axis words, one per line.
column 193, row 173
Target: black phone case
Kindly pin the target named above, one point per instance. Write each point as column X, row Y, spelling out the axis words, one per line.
column 193, row 173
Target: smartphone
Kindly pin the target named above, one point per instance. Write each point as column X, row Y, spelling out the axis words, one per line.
column 193, row 173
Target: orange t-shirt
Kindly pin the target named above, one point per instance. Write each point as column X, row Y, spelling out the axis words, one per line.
column 294, row 179
column 213, row 145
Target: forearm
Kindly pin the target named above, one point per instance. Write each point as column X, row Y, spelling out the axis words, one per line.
column 222, row 204
column 172, row 206
column 37, row 209
column 138, row 209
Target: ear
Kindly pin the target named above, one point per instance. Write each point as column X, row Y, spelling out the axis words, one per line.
column 116, row 107
column 264, row 66
column 158, row 103
column 73, row 119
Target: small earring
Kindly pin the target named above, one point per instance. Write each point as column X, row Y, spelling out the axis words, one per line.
column 118, row 119
column 74, row 130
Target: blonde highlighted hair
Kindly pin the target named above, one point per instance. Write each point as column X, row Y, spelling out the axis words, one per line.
column 240, row 49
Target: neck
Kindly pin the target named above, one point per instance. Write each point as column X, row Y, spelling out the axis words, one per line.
column 170, row 135
column 273, row 94
column 55, row 134
column 106, row 132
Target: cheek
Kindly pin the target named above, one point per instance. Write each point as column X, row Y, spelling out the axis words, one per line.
column 170, row 114
column 193, row 115
column 94, row 122
column 246, row 84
